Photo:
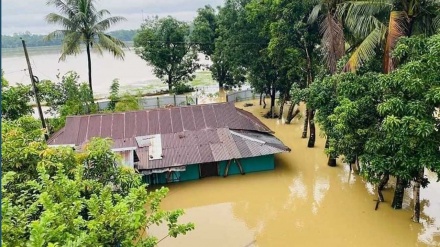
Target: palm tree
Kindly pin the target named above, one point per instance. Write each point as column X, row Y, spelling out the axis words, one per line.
column 333, row 48
column 380, row 23
column 83, row 24
column 331, row 29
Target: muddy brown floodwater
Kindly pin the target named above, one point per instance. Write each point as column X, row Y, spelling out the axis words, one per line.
column 303, row 202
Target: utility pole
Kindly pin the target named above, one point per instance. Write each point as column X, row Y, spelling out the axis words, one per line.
column 34, row 86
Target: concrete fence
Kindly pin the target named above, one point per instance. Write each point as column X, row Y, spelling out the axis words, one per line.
column 242, row 95
column 158, row 102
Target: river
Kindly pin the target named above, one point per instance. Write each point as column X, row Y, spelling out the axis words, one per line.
column 303, row 202
column 133, row 72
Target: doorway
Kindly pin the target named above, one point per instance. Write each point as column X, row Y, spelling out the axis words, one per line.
column 208, row 169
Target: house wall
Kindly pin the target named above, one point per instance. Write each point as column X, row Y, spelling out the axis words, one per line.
column 191, row 173
column 253, row 164
column 127, row 157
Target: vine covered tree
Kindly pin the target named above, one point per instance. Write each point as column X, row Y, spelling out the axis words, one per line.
column 81, row 24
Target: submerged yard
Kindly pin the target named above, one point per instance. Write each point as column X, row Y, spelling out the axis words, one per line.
column 303, row 202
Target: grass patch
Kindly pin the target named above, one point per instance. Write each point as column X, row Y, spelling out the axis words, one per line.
column 203, row 78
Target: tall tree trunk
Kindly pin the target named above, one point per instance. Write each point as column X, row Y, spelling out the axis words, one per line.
column 282, row 102
column 312, row 138
column 264, row 102
column 169, row 86
column 261, row 98
column 399, row 193
column 357, row 165
column 89, row 64
column 272, row 101
column 306, row 124
column 290, row 114
column 383, row 181
column 416, row 195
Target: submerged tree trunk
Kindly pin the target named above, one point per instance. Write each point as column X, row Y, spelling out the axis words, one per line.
column 264, row 102
column 312, row 138
column 282, row 102
column 272, row 102
column 357, row 165
column 383, row 181
column 89, row 65
column 331, row 161
column 416, row 195
column 399, row 193
column 290, row 114
column 306, row 124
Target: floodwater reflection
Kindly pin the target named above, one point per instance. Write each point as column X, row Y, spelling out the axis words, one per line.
column 303, row 202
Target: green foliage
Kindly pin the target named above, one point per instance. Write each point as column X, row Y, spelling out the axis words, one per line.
column 182, row 89
column 21, row 145
column 204, row 32
column 127, row 102
column 409, row 131
column 34, row 40
column 65, row 98
column 60, row 197
column 68, row 96
column 164, row 44
column 15, row 100
column 387, row 121
column 114, row 95
column 124, row 35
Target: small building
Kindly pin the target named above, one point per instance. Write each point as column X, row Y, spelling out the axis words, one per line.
column 180, row 143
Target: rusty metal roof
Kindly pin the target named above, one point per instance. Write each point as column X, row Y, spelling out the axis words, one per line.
column 182, row 149
column 80, row 129
column 188, row 135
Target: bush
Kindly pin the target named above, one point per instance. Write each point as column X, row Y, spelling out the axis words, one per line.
column 181, row 89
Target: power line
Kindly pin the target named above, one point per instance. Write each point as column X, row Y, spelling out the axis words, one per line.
column 12, row 72
column 205, row 43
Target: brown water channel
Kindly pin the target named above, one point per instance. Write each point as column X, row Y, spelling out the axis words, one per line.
column 303, row 202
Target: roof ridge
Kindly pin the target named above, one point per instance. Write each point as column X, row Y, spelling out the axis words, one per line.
column 147, row 110
column 254, row 119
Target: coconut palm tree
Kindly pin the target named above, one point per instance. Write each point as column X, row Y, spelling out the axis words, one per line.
column 82, row 23
column 333, row 48
column 331, row 29
column 380, row 23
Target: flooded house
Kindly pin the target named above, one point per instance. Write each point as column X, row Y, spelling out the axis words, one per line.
column 180, row 143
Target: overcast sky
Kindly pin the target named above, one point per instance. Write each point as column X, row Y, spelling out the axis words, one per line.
column 19, row 16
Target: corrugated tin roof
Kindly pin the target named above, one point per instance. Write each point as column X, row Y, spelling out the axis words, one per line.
column 124, row 125
column 188, row 135
column 221, row 145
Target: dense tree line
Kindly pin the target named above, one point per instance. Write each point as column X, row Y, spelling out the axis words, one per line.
column 35, row 40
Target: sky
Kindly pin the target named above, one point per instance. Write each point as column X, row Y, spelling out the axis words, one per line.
column 19, row 16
